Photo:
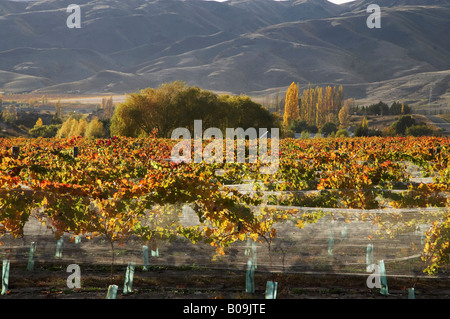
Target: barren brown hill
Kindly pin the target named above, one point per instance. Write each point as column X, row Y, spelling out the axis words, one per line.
column 238, row 46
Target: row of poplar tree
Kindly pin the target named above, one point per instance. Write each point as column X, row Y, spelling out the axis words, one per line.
column 316, row 106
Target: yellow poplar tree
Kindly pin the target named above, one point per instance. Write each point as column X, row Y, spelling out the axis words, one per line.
column 39, row 122
column 344, row 116
column 94, row 129
column 291, row 110
column 320, row 111
column 365, row 123
column 80, row 128
column 345, row 111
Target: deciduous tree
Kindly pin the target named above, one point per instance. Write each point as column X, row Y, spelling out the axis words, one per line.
column 291, row 108
column 344, row 116
column 94, row 129
column 39, row 122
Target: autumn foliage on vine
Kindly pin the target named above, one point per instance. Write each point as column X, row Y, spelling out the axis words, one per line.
column 122, row 187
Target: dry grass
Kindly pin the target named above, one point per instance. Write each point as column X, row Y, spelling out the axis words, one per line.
column 445, row 117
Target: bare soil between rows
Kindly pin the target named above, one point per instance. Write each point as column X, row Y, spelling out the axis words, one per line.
column 160, row 282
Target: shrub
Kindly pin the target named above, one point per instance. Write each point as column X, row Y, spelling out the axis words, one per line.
column 328, row 128
column 419, row 130
column 403, row 123
column 361, row 131
column 342, row 133
column 45, row 131
column 304, row 135
column 301, row 125
column 389, row 131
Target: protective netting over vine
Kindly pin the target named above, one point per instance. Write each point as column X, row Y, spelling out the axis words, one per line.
column 336, row 241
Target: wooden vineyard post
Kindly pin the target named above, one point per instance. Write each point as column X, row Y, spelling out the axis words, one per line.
column 15, row 151
column 75, row 152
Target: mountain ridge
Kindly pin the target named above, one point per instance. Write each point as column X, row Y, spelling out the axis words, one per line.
column 242, row 47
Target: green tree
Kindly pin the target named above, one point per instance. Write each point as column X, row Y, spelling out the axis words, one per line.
column 419, row 130
column 241, row 111
column 298, row 126
column 342, row 133
column 328, row 128
column 125, row 118
column 176, row 105
column 10, row 113
column 363, row 128
column 150, row 109
column 403, row 123
column 304, row 135
column 45, row 131
column 398, row 108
